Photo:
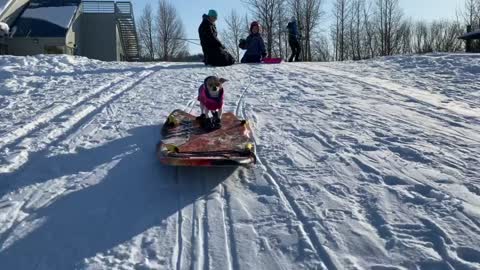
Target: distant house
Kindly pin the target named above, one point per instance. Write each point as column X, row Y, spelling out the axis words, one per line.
column 103, row 30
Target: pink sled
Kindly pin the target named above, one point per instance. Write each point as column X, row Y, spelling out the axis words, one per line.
column 272, row 60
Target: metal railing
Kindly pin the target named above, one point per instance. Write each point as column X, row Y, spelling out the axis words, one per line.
column 125, row 20
column 124, row 8
column 128, row 30
column 98, row 7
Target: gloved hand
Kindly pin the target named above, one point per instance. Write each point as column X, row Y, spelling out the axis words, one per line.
column 242, row 44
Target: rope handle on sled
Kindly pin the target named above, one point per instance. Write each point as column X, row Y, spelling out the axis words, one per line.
column 248, row 150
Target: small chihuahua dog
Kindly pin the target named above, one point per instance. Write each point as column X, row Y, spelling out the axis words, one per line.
column 210, row 95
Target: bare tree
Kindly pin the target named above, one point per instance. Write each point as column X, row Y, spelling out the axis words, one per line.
column 171, row 34
column 357, row 29
column 471, row 13
column 451, row 43
column 370, row 39
column 281, row 33
column 246, row 25
column 233, row 33
column 321, row 49
column 404, row 38
column 369, row 28
column 146, row 31
column 312, row 14
column 389, row 19
column 437, row 36
column 420, row 38
column 470, row 16
column 339, row 28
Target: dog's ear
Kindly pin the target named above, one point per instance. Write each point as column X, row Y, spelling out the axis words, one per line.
column 222, row 80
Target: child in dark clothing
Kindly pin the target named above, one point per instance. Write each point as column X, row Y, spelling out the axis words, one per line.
column 254, row 45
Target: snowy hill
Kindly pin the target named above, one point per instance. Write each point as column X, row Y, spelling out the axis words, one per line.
column 362, row 165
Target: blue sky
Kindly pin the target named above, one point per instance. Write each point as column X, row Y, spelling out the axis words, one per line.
column 191, row 11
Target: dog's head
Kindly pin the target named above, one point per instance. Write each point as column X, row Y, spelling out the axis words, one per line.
column 213, row 83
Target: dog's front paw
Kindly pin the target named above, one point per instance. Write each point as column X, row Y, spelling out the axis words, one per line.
column 201, row 117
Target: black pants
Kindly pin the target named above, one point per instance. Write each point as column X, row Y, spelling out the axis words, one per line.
column 296, row 50
column 251, row 58
column 218, row 58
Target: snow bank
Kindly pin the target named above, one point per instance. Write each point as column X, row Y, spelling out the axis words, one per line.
column 362, row 165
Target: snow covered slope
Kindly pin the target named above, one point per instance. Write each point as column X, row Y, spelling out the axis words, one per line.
column 367, row 165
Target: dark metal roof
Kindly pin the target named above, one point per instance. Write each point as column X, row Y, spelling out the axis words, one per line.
column 46, row 18
column 53, row 3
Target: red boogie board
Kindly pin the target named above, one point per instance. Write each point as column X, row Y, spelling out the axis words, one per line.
column 185, row 143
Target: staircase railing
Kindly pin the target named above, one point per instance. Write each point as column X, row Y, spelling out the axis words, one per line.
column 98, row 7
column 125, row 21
column 128, row 30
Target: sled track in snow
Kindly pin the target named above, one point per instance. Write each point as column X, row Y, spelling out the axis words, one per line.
column 199, row 247
column 436, row 114
column 17, row 134
column 239, row 104
column 231, row 243
column 178, row 250
column 66, row 117
column 428, row 112
column 437, row 241
column 305, row 230
column 369, row 82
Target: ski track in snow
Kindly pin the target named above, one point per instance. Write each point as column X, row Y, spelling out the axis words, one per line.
column 362, row 165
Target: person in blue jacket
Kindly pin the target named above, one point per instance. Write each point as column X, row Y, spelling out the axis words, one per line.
column 254, row 45
column 294, row 40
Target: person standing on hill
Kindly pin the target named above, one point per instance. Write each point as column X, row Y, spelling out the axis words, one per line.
column 254, row 45
column 294, row 40
column 213, row 50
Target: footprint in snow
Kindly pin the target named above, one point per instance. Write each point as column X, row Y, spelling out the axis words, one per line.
column 469, row 254
column 393, row 180
column 409, row 154
column 473, row 188
column 338, row 189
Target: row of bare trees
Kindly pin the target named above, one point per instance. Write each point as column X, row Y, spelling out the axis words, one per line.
column 361, row 29
column 161, row 34
column 369, row 28
column 470, row 14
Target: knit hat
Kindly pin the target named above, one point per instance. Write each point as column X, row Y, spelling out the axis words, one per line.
column 212, row 13
column 253, row 24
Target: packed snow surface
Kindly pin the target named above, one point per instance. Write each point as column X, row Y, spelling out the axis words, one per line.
column 362, row 165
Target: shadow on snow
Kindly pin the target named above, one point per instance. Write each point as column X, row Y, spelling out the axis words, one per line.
column 134, row 195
